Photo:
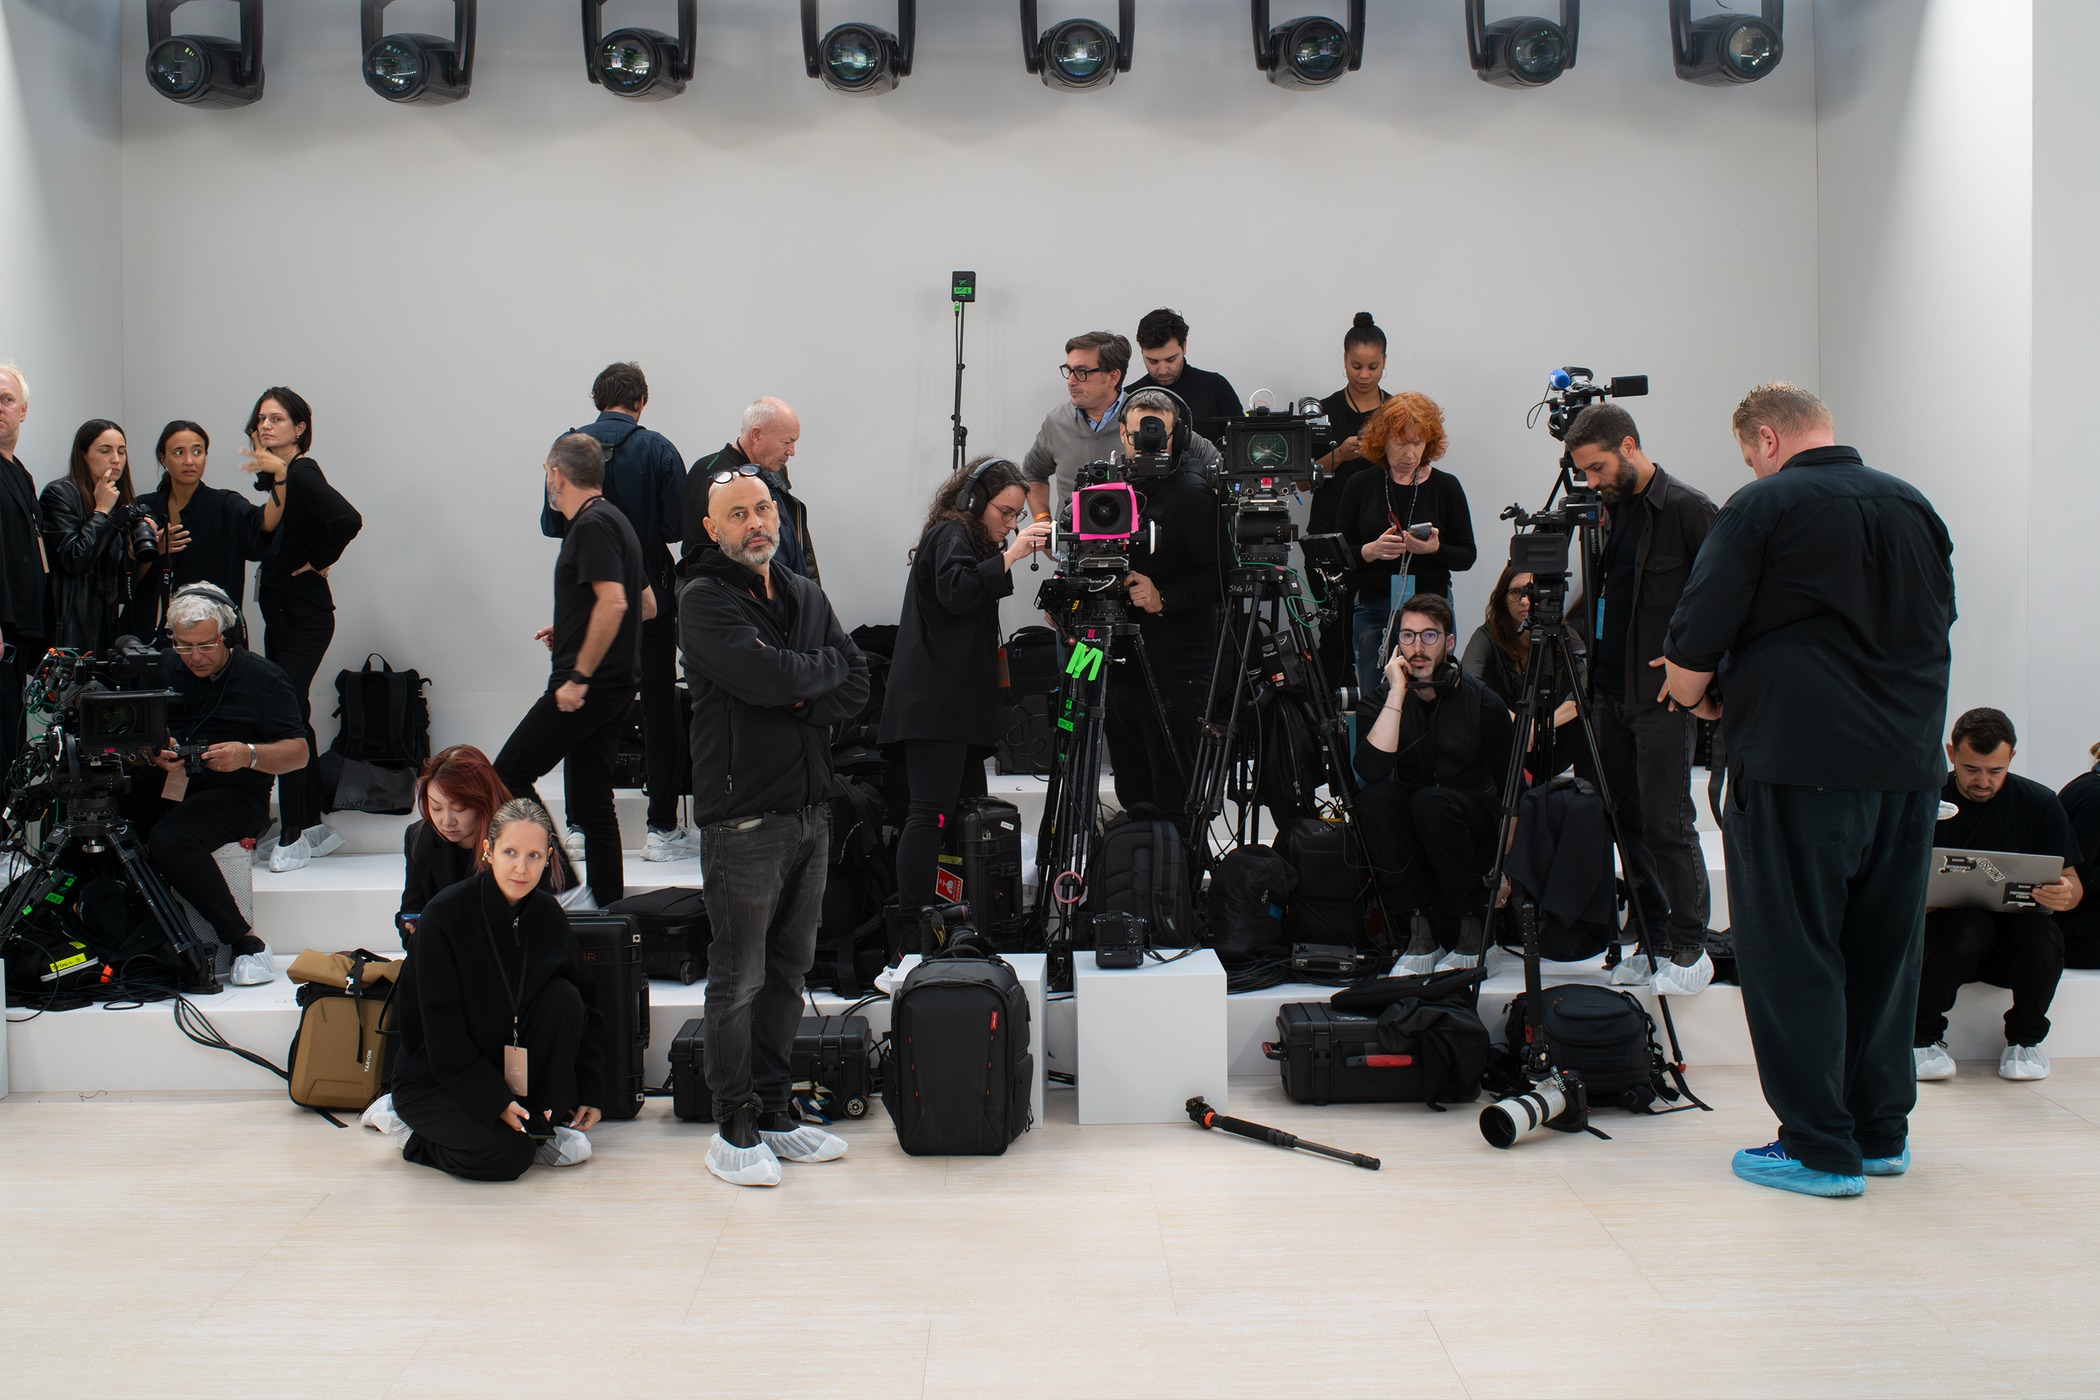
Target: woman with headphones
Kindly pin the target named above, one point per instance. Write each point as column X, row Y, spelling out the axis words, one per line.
column 942, row 702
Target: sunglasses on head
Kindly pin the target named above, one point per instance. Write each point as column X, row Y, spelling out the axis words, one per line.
column 722, row 476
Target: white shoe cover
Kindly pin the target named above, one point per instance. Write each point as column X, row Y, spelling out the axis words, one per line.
column 2023, row 1062
column 1933, row 1061
column 570, row 1148
column 292, row 857
column 1671, row 980
column 1457, row 962
column 1417, row 964
column 1632, row 972
column 743, row 1166
column 253, row 970
column 572, row 842
column 381, row 1118
column 808, row 1143
column 321, row 839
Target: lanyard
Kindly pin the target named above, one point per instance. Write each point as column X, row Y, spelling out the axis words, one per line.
column 517, row 994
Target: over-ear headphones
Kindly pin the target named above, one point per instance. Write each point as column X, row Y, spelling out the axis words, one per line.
column 236, row 635
column 973, row 498
column 1444, row 679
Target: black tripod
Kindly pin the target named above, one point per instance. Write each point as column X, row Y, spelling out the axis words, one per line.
column 1102, row 638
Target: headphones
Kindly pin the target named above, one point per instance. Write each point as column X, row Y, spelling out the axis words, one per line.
column 1178, row 444
column 973, row 498
column 236, row 635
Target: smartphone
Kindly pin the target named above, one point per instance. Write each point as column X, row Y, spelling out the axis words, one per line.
column 539, row 1129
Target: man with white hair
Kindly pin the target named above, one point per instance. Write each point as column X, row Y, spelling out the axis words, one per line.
column 765, row 440
column 240, row 708
column 23, row 566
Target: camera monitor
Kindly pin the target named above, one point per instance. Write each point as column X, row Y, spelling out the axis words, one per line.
column 123, row 721
column 1269, row 446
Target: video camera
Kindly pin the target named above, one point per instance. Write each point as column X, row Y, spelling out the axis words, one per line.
column 1571, row 388
column 1268, row 455
column 1093, row 553
column 103, row 715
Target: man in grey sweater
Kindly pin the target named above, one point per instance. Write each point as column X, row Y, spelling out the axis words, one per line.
column 1088, row 428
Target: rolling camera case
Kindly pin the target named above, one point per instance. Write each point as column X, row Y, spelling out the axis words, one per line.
column 674, row 930
column 988, row 844
column 833, row 1055
column 959, row 1077
column 612, row 955
column 1329, row 1056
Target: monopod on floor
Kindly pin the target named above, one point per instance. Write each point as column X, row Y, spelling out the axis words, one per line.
column 1204, row 1116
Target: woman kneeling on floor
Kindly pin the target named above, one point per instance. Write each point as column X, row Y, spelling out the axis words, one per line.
column 498, row 1063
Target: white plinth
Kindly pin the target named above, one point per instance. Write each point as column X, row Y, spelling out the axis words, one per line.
column 1150, row 1038
column 1029, row 969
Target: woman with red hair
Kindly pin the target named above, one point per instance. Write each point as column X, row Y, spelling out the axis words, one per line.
column 457, row 794
column 1405, row 435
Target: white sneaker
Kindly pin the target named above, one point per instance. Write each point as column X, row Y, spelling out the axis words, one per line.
column 321, row 839
column 1933, row 1061
column 570, row 1148
column 1675, row 980
column 805, row 1143
column 381, row 1118
column 665, row 845
column 1633, row 972
column 572, row 842
column 743, row 1166
column 254, row 969
column 2023, row 1062
column 292, row 857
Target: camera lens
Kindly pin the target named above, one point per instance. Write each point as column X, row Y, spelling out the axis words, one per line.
column 1507, row 1122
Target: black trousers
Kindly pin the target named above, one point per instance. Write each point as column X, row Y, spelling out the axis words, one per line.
column 1431, row 848
column 180, row 839
column 1144, row 757
column 1826, row 888
column 2023, row 951
column 446, row 1135
column 1647, row 752
column 667, row 762
column 584, row 742
column 23, row 654
column 296, row 634
column 940, row 775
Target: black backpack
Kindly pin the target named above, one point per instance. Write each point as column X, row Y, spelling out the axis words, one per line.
column 958, row 1076
column 1328, row 906
column 385, row 718
column 1141, row 868
column 1606, row 1037
column 1249, row 889
column 853, row 930
column 1033, row 670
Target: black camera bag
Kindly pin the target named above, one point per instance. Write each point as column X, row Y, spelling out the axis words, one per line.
column 1034, row 668
column 1250, row 887
column 833, row 1053
column 1605, row 1036
column 958, row 1076
column 985, row 838
column 1141, row 869
column 675, row 932
column 1328, row 905
column 852, row 927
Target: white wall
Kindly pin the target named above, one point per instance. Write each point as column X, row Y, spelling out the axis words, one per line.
column 61, row 317
column 443, row 283
column 1926, row 216
column 2062, row 662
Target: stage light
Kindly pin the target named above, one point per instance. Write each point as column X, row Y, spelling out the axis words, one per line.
column 644, row 65
column 1310, row 52
column 1078, row 53
column 1522, row 52
column 859, row 59
column 418, row 67
column 1723, row 50
column 203, row 70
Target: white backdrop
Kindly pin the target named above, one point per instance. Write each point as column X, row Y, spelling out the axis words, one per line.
column 443, row 283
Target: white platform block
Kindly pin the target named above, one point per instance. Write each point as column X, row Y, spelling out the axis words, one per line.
column 1150, row 1037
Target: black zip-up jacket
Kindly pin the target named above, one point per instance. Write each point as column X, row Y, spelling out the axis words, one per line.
column 225, row 532
column 1458, row 741
column 770, row 678
column 22, row 578
column 1678, row 521
column 1182, row 637
column 645, row 480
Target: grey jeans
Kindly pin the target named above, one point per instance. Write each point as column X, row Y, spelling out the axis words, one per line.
column 764, row 879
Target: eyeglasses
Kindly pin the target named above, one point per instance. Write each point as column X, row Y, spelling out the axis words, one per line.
column 1513, row 594
column 1009, row 514
column 1428, row 637
column 1082, row 373
column 192, row 648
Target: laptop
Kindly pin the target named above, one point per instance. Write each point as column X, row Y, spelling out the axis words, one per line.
column 2001, row 881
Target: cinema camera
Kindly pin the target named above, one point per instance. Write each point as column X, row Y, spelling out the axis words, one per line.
column 104, row 715
column 1571, row 388
column 1268, row 455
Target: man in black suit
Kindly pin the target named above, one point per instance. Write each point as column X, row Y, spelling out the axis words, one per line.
column 22, row 567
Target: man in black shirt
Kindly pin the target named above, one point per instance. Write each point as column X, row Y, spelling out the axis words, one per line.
column 24, row 569
column 1817, row 614
column 1432, row 751
column 1997, row 810
column 644, row 481
column 243, row 708
column 766, row 439
column 1657, row 525
column 1163, row 339
column 597, row 656
column 1174, row 592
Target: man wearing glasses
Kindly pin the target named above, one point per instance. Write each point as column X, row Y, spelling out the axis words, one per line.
column 1084, row 429
column 241, row 708
column 1432, row 752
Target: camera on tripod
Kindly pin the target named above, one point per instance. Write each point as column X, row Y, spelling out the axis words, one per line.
column 105, row 713
column 1571, row 388
column 1093, row 553
column 1268, row 455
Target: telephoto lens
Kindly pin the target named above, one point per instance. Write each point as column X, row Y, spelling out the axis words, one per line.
column 1506, row 1122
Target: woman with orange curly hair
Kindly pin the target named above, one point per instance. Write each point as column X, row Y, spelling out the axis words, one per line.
column 1395, row 562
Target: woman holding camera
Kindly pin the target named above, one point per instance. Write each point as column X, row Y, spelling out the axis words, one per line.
column 498, row 1066
column 457, row 793
column 307, row 525
column 942, row 702
column 1496, row 656
column 89, row 519
column 1408, row 527
column 208, row 534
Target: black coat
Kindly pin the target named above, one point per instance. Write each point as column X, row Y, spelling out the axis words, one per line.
column 770, row 677
column 89, row 561
column 225, row 533
column 23, row 583
column 944, row 677
column 1182, row 637
column 1679, row 516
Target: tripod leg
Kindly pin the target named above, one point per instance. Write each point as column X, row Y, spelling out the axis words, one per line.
column 174, row 924
column 1159, row 706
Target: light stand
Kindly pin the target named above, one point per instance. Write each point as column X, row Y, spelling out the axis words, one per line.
column 962, row 290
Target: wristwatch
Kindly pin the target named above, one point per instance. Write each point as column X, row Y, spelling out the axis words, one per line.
column 578, row 678
column 253, row 758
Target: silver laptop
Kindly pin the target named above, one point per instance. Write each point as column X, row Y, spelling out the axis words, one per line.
column 1996, row 880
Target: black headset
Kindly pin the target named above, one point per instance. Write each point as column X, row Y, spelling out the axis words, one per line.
column 237, row 635
column 973, row 498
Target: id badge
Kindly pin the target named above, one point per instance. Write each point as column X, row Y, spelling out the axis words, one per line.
column 176, row 784
column 514, row 1069
column 1403, row 589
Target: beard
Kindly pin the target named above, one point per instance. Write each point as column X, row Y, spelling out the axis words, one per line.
column 754, row 551
column 1623, row 484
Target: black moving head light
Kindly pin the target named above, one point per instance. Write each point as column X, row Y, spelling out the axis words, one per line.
column 1078, row 53
column 856, row 58
column 1723, row 50
column 204, row 70
column 644, row 65
column 1523, row 52
column 1310, row 52
column 418, row 67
